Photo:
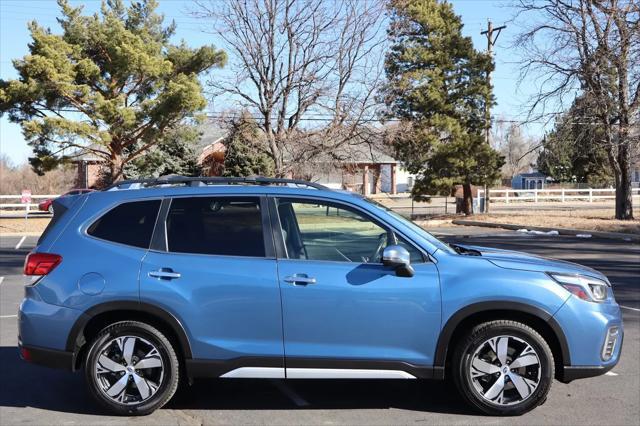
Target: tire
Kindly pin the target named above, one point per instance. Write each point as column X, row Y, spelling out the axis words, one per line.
column 131, row 368
column 496, row 387
column 50, row 208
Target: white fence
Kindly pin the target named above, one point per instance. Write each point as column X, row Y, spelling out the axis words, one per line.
column 15, row 206
column 562, row 195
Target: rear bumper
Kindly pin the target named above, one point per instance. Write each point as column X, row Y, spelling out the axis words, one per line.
column 51, row 358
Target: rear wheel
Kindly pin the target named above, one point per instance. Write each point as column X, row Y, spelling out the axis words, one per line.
column 503, row 368
column 131, row 368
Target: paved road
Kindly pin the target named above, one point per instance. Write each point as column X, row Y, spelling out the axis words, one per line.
column 35, row 395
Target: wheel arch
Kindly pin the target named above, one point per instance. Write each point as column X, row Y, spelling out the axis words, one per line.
column 97, row 317
column 539, row 319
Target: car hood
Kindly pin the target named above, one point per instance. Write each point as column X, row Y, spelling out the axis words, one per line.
column 509, row 259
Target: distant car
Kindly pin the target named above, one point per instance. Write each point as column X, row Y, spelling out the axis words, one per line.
column 47, row 205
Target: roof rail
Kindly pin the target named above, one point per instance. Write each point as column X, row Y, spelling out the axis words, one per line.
column 203, row 181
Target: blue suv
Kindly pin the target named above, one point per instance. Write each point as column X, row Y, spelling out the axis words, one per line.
column 155, row 281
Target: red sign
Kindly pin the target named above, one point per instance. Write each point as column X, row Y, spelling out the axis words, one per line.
column 25, row 198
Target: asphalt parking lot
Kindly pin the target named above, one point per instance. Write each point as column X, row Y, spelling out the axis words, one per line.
column 33, row 395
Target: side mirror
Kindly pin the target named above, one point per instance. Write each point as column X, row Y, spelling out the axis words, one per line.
column 398, row 258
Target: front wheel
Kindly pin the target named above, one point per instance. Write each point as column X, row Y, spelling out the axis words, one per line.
column 503, row 368
column 131, row 368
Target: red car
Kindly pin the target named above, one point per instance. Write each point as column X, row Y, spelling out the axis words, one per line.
column 47, row 205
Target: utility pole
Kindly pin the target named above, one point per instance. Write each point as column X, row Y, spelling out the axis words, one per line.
column 491, row 41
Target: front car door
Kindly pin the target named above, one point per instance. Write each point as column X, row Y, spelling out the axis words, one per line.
column 344, row 313
column 212, row 266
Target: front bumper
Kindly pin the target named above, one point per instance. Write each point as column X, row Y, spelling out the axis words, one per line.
column 585, row 325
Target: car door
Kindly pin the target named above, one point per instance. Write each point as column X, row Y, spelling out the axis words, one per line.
column 212, row 266
column 344, row 313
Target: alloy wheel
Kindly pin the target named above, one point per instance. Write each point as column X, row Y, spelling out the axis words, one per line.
column 129, row 370
column 505, row 370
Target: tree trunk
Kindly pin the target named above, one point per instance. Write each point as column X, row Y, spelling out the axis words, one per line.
column 624, row 196
column 467, row 200
column 276, row 155
column 116, row 165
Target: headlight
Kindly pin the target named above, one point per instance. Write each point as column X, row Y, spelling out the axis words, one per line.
column 586, row 288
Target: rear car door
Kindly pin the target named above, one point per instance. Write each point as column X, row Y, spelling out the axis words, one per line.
column 344, row 313
column 212, row 266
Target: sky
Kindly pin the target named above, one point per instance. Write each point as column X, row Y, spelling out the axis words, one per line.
column 14, row 38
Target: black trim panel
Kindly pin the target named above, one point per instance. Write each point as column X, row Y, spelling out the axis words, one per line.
column 462, row 314
column 51, row 358
column 216, row 368
column 75, row 340
column 571, row 373
column 159, row 236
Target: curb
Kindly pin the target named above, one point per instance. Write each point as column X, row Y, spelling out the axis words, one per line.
column 561, row 231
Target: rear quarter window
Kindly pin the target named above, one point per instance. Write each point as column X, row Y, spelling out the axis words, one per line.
column 129, row 223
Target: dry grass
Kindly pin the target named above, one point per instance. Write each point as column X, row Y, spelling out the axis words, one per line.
column 592, row 220
column 31, row 225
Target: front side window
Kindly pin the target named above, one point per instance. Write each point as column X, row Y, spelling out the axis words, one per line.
column 322, row 231
column 128, row 223
column 230, row 226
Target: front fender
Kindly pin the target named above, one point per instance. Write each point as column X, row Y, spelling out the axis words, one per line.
column 471, row 285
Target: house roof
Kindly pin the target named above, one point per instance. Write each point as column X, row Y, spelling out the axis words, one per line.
column 88, row 154
column 363, row 152
column 531, row 175
column 371, row 151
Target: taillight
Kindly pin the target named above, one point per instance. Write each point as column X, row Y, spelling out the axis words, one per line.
column 41, row 263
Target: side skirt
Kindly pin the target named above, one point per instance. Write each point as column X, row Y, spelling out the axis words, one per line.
column 310, row 368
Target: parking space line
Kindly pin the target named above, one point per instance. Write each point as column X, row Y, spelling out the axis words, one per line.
column 630, row 308
column 290, row 393
column 610, row 373
column 1, row 279
column 8, row 316
column 24, row 237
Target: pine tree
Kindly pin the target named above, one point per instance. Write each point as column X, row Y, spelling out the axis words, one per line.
column 109, row 82
column 437, row 87
column 243, row 153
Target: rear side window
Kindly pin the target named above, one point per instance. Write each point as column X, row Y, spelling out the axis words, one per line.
column 229, row 226
column 128, row 223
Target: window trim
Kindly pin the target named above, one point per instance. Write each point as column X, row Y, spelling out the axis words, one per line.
column 84, row 230
column 162, row 240
column 278, row 238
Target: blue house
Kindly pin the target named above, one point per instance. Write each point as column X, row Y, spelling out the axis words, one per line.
column 534, row 180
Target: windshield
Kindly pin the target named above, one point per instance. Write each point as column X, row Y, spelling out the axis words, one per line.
column 416, row 228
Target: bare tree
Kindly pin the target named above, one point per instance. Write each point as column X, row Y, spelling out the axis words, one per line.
column 519, row 151
column 592, row 46
column 297, row 62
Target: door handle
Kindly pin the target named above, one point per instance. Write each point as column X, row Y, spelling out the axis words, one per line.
column 164, row 273
column 301, row 279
